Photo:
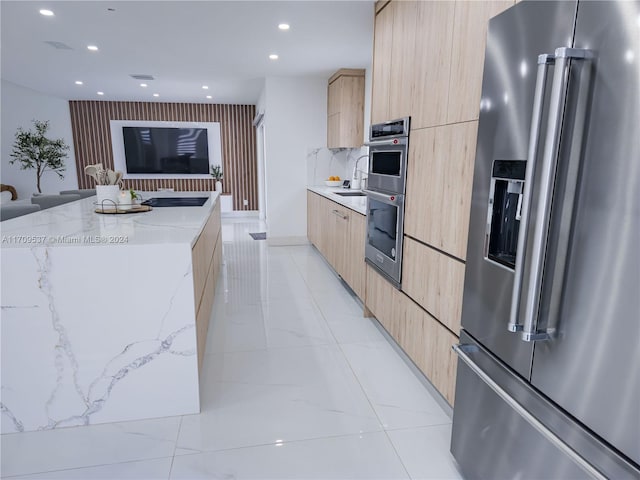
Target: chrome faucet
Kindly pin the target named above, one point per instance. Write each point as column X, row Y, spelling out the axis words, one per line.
column 355, row 168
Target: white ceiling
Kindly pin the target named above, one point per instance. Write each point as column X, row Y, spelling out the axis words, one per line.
column 183, row 44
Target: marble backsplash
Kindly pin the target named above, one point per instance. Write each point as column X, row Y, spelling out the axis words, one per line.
column 324, row 162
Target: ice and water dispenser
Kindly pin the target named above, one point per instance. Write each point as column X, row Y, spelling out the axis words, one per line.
column 505, row 206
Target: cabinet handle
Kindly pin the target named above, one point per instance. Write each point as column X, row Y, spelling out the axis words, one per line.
column 340, row 214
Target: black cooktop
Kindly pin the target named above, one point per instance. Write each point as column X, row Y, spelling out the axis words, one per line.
column 176, row 201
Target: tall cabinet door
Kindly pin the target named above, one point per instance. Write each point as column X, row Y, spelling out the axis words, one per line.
column 403, row 46
column 382, row 45
column 591, row 367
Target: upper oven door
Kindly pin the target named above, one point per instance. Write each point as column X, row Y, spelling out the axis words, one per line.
column 388, row 165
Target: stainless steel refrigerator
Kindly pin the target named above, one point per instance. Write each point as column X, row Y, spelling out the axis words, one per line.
column 548, row 383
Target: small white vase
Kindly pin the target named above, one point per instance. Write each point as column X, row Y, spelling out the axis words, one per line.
column 108, row 195
column 218, row 186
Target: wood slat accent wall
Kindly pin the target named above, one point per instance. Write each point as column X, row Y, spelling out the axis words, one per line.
column 92, row 143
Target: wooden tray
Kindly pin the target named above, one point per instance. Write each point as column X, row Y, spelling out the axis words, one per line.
column 119, row 211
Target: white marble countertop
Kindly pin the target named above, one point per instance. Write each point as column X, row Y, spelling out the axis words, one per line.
column 77, row 223
column 357, row 204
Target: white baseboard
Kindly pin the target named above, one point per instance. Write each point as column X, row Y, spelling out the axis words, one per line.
column 284, row 241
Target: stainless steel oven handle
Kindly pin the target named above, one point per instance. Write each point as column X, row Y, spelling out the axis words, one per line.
column 381, row 143
column 524, row 413
column 547, row 184
column 389, row 198
column 544, row 61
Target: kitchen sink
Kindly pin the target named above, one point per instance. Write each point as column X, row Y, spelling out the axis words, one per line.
column 350, row 194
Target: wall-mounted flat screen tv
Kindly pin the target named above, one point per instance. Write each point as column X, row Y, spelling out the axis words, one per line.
column 165, row 149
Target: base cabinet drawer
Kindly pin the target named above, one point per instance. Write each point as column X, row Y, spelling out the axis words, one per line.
column 425, row 340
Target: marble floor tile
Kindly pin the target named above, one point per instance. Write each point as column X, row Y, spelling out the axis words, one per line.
column 353, row 328
column 294, row 322
column 273, row 324
column 337, row 302
column 296, row 383
column 425, row 452
column 255, row 398
column 65, row 448
column 140, row 470
column 399, row 398
column 366, row 456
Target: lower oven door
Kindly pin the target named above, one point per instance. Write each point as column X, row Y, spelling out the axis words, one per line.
column 383, row 250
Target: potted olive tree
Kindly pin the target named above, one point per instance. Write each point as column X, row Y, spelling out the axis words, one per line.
column 33, row 150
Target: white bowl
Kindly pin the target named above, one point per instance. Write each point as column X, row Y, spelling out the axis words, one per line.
column 333, row 183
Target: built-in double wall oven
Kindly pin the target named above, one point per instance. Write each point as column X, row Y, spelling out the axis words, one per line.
column 388, row 149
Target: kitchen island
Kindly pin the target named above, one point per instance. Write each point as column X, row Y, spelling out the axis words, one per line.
column 104, row 317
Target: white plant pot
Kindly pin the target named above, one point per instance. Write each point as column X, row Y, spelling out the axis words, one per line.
column 108, row 195
column 218, row 186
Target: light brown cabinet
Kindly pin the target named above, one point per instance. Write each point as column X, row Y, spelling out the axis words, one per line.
column 337, row 227
column 435, row 281
column 439, row 182
column 428, row 58
column 314, row 219
column 427, row 63
column 403, row 62
column 206, row 255
column 382, row 64
column 433, row 45
column 345, row 109
column 469, row 41
column 423, row 338
column 339, row 234
column 354, row 273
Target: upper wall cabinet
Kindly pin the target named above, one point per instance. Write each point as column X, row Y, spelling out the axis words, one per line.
column 345, row 109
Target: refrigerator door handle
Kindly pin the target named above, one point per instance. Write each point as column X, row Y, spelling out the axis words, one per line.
column 547, row 184
column 544, row 61
column 462, row 350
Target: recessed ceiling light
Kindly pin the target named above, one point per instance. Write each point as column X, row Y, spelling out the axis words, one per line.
column 46, row 13
column 93, row 48
column 156, row 94
column 143, row 85
column 209, row 97
column 273, row 56
column 284, row 26
column 100, row 93
column 205, row 87
column 78, row 82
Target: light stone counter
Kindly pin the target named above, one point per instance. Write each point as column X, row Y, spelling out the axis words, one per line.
column 357, row 204
column 98, row 315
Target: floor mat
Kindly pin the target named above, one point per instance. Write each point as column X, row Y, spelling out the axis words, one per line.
column 259, row 235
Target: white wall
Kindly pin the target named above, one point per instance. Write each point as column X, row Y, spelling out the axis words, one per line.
column 295, row 121
column 260, row 157
column 19, row 107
